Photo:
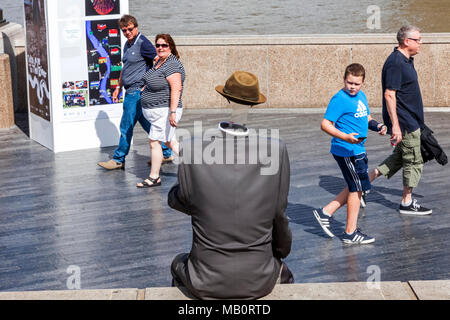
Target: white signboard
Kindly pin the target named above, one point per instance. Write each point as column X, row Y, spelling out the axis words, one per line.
column 80, row 52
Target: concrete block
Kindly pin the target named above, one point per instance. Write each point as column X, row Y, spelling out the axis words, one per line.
column 431, row 290
column 103, row 294
column 22, row 103
column 309, row 291
column 388, row 290
column 289, row 75
column 442, row 76
column 304, row 39
column 327, row 65
column 425, row 64
column 6, row 94
column 304, row 71
column 339, row 291
column 12, row 36
column 252, row 59
column 372, row 57
column 205, row 68
column 167, row 293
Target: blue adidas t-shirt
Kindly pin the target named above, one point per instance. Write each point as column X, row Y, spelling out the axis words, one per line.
column 349, row 114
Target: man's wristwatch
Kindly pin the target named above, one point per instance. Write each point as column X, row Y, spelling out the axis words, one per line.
column 172, row 111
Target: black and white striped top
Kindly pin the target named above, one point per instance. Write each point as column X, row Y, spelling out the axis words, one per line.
column 157, row 89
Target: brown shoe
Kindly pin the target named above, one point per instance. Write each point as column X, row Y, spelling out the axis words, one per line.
column 165, row 160
column 112, row 165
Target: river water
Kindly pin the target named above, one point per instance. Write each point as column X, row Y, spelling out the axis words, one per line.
column 260, row 17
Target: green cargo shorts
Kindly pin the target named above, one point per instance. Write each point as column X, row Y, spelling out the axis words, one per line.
column 406, row 155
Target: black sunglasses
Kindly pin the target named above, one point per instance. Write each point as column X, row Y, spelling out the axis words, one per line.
column 128, row 29
column 164, row 45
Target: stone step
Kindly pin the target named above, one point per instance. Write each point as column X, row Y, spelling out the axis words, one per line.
column 389, row 290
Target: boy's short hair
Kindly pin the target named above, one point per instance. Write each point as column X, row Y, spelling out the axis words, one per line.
column 126, row 19
column 356, row 70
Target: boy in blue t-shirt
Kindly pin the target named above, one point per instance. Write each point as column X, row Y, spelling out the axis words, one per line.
column 347, row 119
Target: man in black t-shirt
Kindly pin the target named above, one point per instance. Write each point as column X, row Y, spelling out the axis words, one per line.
column 403, row 115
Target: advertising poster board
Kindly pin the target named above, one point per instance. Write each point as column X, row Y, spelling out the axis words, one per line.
column 37, row 63
column 104, row 53
column 102, row 7
column 84, row 46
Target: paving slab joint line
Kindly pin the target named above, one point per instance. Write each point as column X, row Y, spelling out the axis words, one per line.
column 412, row 290
column 140, row 294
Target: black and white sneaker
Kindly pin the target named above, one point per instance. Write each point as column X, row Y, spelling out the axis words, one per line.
column 415, row 209
column 363, row 199
column 324, row 221
column 357, row 237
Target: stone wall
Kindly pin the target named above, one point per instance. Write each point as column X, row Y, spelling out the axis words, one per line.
column 302, row 71
column 305, row 71
column 12, row 43
column 6, row 97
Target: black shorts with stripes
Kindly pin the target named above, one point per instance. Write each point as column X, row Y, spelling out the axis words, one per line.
column 355, row 170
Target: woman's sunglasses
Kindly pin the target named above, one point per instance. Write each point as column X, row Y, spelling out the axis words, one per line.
column 164, row 45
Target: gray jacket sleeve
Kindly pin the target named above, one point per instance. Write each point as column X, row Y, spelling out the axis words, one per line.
column 281, row 234
column 178, row 197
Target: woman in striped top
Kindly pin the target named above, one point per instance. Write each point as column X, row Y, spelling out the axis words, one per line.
column 161, row 103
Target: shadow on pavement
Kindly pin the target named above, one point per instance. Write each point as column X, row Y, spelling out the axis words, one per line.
column 334, row 185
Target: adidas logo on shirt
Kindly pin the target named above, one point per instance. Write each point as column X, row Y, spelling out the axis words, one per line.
column 361, row 111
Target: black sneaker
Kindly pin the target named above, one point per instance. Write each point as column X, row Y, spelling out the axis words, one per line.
column 357, row 237
column 324, row 221
column 415, row 209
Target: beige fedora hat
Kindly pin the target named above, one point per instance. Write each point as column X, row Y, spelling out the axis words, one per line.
column 242, row 87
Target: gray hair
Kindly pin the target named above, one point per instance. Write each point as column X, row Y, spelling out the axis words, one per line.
column 405, row 32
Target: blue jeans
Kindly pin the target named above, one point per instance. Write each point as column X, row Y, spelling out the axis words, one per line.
column 132, row 113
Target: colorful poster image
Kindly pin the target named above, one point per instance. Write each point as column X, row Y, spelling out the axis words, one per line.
column 75, row 99
column 75, row 85
column 104, row 55
column 102, row 7
column 37, row 63
column 75, row 94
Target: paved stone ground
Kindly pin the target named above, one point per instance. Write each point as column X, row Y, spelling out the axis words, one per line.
column 61, row 210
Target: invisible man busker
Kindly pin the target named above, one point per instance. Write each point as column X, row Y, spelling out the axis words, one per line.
column 240, row 229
